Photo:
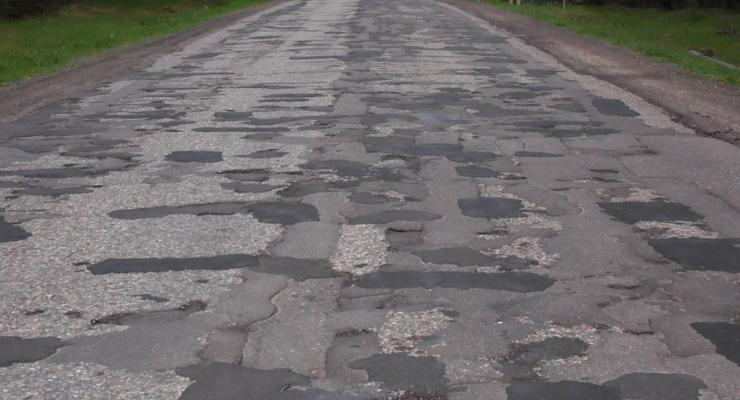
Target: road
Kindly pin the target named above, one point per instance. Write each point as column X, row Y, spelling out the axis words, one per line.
column 336, row 199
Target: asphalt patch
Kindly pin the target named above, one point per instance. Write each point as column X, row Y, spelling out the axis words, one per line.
column 11, row 232
column 474, row 171
column 536, row 154
column 612, row 107
column 385, row 217
column 152, row 317
column 298, row 269
column 491, row 207
column 521, row 361
column 724, row 335
column 270, row 153
column 416, row 376
column 509, row 281
column 195, row 156
column 14, row 349
column 140, row 265
column 367, row 198
column 701, row 254
column 51, row 192
column 300, row 189
column 272, row 212
column 234, row 382
column 286, row 213
column 631, row 212
column 564, row 390
column 651, row 386
column 471, row 156
column 248, row 187
column 434, row 149
column 460, row 256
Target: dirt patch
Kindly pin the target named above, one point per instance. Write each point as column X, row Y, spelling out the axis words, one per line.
column 709, row 107
column 20, row 98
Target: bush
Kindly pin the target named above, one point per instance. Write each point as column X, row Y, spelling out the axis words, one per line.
column 21, row 8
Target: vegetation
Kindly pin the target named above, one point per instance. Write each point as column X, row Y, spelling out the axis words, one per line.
column 50, row 34
column 658, row 33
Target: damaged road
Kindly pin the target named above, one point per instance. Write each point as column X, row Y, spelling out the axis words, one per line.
column 335, row 199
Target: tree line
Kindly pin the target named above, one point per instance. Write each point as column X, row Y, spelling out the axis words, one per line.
column 20, row 8
column 664, row 4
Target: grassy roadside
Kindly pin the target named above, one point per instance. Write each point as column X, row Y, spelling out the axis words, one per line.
column 36, row 45
column 665, row 35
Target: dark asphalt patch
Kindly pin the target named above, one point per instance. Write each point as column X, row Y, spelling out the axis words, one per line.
column 11, row 232
column 631, row 212
column 612, row 107
column 701, row 254
column 401, row 239
column 434, row 149
column 471, row 156
column 286, row 213
column 564, row 390
column 541, row 73
column 224, row 129
column 416, row 376
column 203, row 56
column 270, row 153
column 231, row 382
column 248, row 187
column 509, row 281
column 572, row 107
column 52, row 192
column 491, row 207
column 140, row 265
column 345, row 168
column 724, row 335
column 300, row 189
column 387, row 144
column 233, row 116
column 367, row 198
column 150, row 297
column 519, row 364
column 195, row 156
column 14, row 349
column 353, row 169
column 225, row 208
column 520, row 95
column 474, row 171
column 50, row 173
column 651, row 386
column 385, row 217
column 460, row 256
column 152, row 317
column 271, row 212
column 536, row 154
column 263, row 135
column 247, row 175
column 295, row 268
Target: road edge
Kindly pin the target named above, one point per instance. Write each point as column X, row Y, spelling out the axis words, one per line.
column 707, row 107
column 23, row 97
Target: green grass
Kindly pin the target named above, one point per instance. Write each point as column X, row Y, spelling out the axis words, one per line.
column 35, row 45
column 664, row 35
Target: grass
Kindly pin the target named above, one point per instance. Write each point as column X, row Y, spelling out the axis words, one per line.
column 663, row 35
column 35, row 45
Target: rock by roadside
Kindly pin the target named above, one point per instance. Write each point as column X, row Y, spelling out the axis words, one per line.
column 710, row 108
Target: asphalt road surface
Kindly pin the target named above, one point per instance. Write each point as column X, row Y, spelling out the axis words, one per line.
column 344, row 199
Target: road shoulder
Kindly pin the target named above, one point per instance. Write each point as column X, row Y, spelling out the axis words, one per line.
column 21, row 98
column 708, row 107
